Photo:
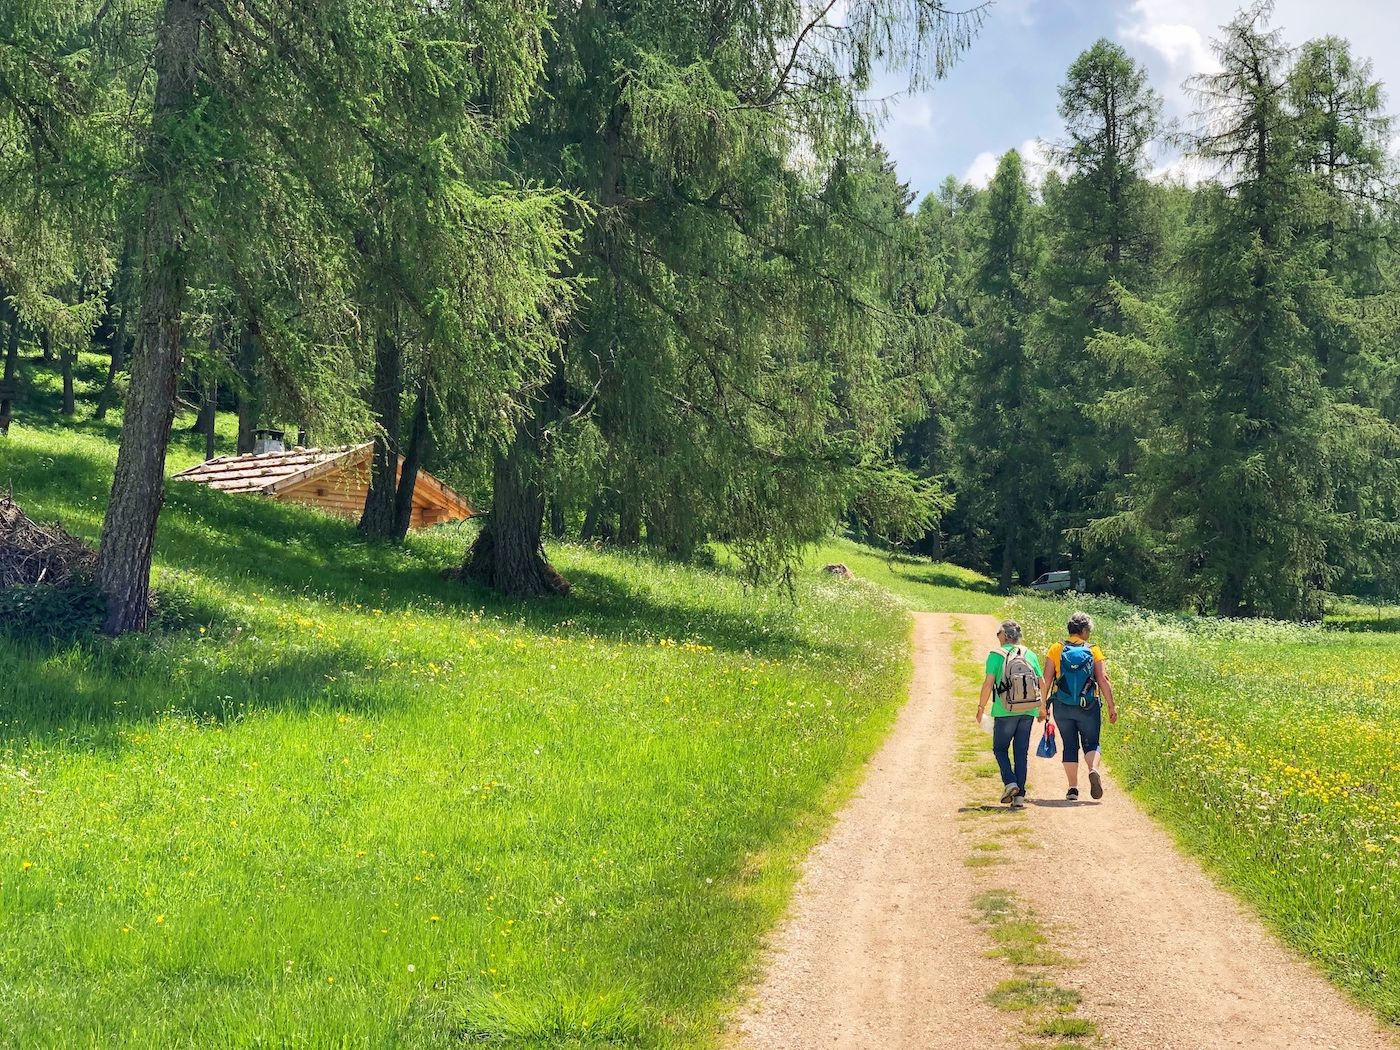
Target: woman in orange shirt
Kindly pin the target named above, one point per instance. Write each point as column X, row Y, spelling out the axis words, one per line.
column 1080, row 686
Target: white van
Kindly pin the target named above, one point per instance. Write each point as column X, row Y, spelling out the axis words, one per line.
column 1054, row 581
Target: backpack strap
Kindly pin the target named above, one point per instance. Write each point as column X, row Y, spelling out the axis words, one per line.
column 1060, row 666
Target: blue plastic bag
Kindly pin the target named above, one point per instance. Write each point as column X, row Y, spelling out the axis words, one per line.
column 1047, row 747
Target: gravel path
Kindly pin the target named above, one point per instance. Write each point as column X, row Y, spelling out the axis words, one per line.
column 880, row 951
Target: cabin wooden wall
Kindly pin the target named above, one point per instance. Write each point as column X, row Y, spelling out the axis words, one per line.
column 343, row 492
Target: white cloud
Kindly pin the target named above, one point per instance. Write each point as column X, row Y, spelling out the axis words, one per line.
column 980, row 171
column 1184, row 170
column 1173, row 38
column 913, row 111
column 1003, row 90
column 1176, row 35
column 1034, row 159
column 1181, row 45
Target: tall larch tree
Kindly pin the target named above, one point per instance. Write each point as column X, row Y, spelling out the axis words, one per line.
column 1000, row 437
column 726, row 375
column 265, row 135
column 1344, row 149
column 1104, row 232
column 1237, row 491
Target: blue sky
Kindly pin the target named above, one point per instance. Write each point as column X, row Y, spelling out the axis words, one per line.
column 1003, row 94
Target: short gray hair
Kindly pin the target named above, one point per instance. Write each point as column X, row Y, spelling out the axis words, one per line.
column 1081, row 623
column 1011, row 631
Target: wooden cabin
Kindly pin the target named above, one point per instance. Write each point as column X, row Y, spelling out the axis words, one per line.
column 331, row 479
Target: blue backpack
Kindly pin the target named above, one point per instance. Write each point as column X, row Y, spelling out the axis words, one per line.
column 1075, row 684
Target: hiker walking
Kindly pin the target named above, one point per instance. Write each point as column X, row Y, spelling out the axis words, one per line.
column 1080, row 687
column 1013, row 685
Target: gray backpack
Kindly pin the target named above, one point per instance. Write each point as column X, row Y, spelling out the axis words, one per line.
column 1019, row 688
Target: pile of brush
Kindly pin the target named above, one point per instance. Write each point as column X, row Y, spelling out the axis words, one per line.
column 33, row 554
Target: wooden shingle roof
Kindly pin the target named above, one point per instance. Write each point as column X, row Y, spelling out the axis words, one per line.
column 333, row 479
column 269, row 472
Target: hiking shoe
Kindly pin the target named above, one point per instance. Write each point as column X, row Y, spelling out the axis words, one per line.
column 1072, row 795
column 1010, row 793
column 1095, row 784
column 1019, row 802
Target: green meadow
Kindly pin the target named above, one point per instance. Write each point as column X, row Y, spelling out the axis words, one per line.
column 918, row 583
column 349, row 803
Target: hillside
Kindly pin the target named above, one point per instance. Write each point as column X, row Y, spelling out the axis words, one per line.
column 355, row 804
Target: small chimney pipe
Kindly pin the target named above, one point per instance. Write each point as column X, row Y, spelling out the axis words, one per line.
column 268, row 440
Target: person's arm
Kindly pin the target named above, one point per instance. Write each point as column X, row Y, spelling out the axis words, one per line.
column 988, row 684
column 1043, row 712
column 1105, row 688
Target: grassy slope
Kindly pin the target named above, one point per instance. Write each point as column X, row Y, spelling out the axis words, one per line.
column 389, row 724
column 368, row 807
column 919, row 583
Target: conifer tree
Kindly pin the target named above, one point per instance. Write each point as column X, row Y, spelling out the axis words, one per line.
column 726, row 376
column 1002, row 476
column 1238, row 491
column 270, row 144
column 1104, row 228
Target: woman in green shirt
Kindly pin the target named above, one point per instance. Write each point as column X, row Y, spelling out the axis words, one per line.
column 1011, row 731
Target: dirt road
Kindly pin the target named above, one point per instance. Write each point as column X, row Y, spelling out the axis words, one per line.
column 881, row 952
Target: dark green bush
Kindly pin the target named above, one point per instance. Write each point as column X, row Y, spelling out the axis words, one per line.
column 51, row 614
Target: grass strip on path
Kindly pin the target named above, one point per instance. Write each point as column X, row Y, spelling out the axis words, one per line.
column 1049, row 1010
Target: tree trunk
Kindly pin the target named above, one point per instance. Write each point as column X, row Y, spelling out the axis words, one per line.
column 414, row 453
column 206, row 385
column 116, row 348
column 1231, row 595
column 378, row 517
column 1008, row 563
column 118, row 303
column 70, row 400
column 591, row 519
column 556, row 517
column 247, row 386
column 208, row 416
column 629, row 522
column 508, row 555
column 599, row 522
column 932, row 545
column 138, row 488
column 11, row 373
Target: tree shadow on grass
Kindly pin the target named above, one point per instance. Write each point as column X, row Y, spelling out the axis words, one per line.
column 227, row 548
column 293, row 553
column 52, row 485
column 88, row 696
column 937, row 575
column 40, row 402
column 604, row 605
column 1384, row 623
